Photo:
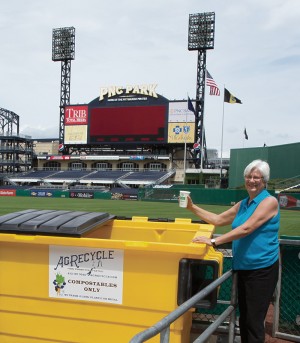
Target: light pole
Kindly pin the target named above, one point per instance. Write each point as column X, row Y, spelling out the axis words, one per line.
column 63, row 49
column 201, row 38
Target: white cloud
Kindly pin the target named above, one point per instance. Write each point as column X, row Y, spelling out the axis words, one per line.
column 40, row 131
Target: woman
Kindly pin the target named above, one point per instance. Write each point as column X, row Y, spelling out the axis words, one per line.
column 255, row 247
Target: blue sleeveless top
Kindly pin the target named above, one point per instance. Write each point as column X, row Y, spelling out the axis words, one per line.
column 259, row 249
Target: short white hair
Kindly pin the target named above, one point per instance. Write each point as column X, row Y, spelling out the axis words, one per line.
column 262, row 166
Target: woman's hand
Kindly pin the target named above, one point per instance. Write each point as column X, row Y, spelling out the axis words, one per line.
column 201, row 239
column 189, row 202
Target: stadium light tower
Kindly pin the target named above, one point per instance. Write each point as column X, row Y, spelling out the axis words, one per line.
column 63, row 49
column 7, row 121
column 201, row 38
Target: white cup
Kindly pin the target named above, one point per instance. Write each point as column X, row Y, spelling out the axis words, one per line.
column 183, row 198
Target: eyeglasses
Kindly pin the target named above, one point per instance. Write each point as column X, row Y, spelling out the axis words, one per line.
column 254, row 178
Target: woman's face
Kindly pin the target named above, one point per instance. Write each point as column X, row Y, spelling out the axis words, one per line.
column 254, row 182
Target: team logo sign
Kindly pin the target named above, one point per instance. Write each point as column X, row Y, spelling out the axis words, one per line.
column 186, row 129
column 177, row 129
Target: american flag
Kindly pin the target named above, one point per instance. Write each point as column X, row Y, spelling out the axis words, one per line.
column 210, row 82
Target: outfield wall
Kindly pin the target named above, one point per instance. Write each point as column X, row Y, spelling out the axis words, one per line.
column 167, row 194
column 284, row 162
column 199, row 195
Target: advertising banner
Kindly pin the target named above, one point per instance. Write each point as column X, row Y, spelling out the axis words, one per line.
column 58, row 157
column 82, row 195
column 76, row 115
column 7, row 192
column 75, row 134
column 181, row 132
column 41, row 193
column 179, row 113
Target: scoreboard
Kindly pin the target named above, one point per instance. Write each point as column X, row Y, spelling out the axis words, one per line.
column 129, row 119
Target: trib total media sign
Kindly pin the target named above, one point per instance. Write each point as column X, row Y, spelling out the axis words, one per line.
column 76, row 115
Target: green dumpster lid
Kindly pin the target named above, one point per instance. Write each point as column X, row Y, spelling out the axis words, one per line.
column 52, row 222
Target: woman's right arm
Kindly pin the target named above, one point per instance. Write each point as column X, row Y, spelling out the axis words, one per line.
column 222, row 219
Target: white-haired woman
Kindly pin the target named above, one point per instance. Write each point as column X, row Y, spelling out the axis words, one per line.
column 255, row 247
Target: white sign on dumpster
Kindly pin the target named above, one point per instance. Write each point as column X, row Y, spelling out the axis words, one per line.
column 91, row 274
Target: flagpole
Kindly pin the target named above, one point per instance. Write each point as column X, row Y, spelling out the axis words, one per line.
column 221, row 164
column 184, row 154
column 184, row 163
column 202, row 138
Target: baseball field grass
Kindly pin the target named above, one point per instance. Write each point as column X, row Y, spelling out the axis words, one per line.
column 289, row 224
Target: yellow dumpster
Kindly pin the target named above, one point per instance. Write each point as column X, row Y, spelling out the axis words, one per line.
column 89, row 277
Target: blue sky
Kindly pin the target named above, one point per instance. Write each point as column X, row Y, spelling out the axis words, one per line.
column 256, row 57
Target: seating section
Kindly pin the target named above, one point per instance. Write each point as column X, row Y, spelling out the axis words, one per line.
column 144, row 176
column 14, row 187
column 71, row 174
column 39, row 174
column 91, row 177
column 106, row 175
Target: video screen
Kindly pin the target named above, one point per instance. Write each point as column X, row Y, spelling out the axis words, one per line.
column 146, row 124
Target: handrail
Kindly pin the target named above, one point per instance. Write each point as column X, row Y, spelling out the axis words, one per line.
column 210, row 330
column 287, row 184
column 163, row 326
column 289, row 179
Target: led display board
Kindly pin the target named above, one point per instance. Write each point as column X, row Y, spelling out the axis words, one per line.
column 145, row 124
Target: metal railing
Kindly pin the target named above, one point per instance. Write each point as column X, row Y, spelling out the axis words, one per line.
column 286, row 318
column 286, row 321
column 162, row 327
column 287, row 183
